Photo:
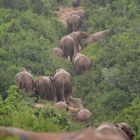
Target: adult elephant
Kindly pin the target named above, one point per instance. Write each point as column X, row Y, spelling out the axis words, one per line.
column 81, row 63
column 63, row 85
column 76, row 3
column 78, row 37
column 44, row 87
column 25, row 80
column 67, row 44
column 58, row 52
column 74, row 23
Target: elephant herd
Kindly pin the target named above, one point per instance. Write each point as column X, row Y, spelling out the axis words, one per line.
column 71, row 44
column 56, row 88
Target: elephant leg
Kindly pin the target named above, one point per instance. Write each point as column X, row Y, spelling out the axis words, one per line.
column 20, row 85
column 63, row 93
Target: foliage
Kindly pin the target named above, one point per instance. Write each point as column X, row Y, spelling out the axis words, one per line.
column 18, row 111
column 29, row 30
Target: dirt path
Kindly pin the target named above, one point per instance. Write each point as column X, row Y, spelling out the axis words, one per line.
column 63, row 13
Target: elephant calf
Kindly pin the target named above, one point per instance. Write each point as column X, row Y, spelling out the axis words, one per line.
column 67, row 44
column 83, row 115
column 58, row 52
column 81, row 63
column 25, row 80
column 74, row 23
column 44, row 88
column 63, row 85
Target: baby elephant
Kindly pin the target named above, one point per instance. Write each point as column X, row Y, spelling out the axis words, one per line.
column 58, row 52
column 81, row 63
column 83, row 115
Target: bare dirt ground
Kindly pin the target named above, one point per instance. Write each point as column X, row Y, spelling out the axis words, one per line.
column 63, row 13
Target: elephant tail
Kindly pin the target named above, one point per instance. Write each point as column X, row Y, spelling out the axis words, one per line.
column 36, row 87
column 63, row 90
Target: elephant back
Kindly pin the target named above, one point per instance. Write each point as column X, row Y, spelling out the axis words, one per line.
column 82, row 59
column 58, row 52
column 83, row 115
column 74, row 23
column 60, row 72
column 43, row 87
column 73, row 19
column 81, row 13
column 66, row 41
column 25, row 80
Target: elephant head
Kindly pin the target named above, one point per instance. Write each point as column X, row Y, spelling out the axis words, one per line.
column 126, row 129
column 74, row 23
column 121, row 131
column 25, row 80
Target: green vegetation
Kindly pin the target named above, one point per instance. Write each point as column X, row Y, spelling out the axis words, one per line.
column 29, row 30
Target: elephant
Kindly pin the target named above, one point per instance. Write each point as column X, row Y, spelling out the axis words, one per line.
column 95, row 37
column 67, row 44
column 103, row 132
column 58, row 52
column 63, row 85
column 83, row 115
column 81, row 13
column 61, row 105
column 81, row 63
column 45, row 89
column 111, row 133
column 25, row 80
column 74, row 23
column 78, row 36
column 76, row 3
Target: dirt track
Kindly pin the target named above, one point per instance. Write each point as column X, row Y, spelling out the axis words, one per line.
column 63, row 13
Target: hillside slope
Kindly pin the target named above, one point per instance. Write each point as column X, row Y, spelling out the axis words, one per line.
column 30, row 30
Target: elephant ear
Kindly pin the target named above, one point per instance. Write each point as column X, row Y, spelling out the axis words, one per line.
column 126, row 129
